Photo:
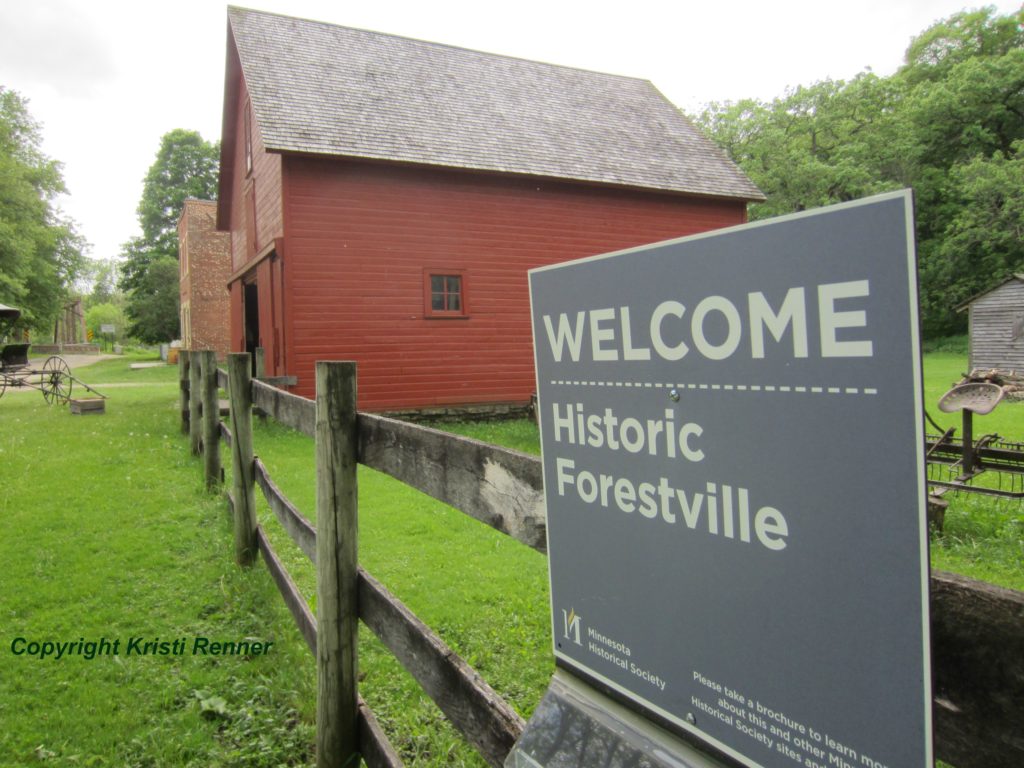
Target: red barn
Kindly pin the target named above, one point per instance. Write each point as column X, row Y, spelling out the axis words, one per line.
column 386, row 197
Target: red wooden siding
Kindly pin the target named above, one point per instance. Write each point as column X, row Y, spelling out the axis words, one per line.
column 256, row 217
column 359, row 237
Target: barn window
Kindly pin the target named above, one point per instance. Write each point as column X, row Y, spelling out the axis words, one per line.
column 444, row 293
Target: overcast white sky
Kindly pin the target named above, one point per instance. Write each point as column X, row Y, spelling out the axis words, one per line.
column 107, row 79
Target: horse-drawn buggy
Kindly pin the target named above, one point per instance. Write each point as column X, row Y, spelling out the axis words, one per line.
column 53, row 379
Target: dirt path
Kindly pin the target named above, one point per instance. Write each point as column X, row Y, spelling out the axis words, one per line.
column 73, row 361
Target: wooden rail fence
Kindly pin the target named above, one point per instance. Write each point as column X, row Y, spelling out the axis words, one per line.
column 977, row 628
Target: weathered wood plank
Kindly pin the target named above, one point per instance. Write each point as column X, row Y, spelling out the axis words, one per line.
column 195, row 402
column 497, row 486
column 260, row 363
column 500, row 487
column 222, row 378
column 183, row 387
column 978, row 663
column 483, row 717
column 242, row 459
column 291, row 410
column 225, row 434
column 211, row 419
column 374, row 745
column 337, row 718
column 289, row 591
column 302, row 531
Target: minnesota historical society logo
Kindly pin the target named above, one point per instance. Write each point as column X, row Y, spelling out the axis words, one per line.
column 571, row 625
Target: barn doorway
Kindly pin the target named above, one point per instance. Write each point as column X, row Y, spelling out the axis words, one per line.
column 251, row 306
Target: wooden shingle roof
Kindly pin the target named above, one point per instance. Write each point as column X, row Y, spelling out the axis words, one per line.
column 330, row 90
column 1017, row 277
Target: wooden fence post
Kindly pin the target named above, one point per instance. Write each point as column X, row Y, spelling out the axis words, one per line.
column 183, row 383
column 195, row 403
column 243, row 478
column 261, row 362
column 336, row 582
column 211, row 419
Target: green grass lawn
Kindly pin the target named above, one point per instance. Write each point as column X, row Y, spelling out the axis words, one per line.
column 110, row 533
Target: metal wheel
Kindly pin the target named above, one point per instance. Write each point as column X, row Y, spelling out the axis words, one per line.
column 55, row 380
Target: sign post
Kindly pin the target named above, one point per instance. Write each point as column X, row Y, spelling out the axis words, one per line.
column 733, row 465
column 107, row 329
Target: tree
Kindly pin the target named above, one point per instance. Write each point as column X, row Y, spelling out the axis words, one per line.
column 828, row 142
column 98, row 282
column 99, row 315
column 156, row 319
column 185, row 166
column 965, row 106
column 982, row 242
column 40, row 251
column 962, row 37
column 949, row 124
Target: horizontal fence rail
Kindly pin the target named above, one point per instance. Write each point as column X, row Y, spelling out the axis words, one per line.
column 472, row 706
column 293, row 411
column 977, row 628
column 302, row 531
column 293, row 598
column 497, row 486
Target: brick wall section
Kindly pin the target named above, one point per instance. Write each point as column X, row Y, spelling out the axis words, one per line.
column 205, row 259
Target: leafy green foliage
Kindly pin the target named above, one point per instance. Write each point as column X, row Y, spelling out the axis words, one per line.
column 961, row 37
column 99, row 315
column 983, row 238
column 816, row 145
column 153, row 305
column 40, row 252
column 186, row 166
column 98, row 282
column 948, row 124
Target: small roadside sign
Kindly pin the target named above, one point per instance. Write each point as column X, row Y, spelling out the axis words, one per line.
column 732, row 441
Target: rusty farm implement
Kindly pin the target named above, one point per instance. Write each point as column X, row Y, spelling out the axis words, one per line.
column 989, row 464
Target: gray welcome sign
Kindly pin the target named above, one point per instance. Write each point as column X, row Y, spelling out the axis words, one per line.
column 733, row 463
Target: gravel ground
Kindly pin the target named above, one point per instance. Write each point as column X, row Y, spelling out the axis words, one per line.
column 73, row 361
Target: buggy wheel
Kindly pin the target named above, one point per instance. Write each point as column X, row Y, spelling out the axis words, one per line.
column 3, row 384
column 55, row 380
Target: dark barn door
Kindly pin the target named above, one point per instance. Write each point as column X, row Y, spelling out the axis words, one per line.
column 251, row 308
